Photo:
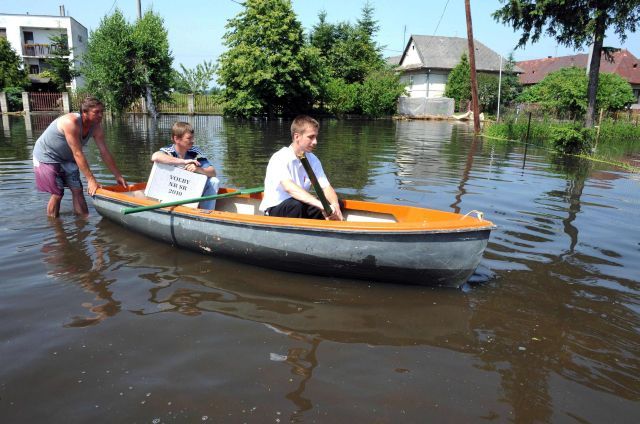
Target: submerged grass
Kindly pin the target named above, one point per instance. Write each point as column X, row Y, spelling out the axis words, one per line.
column 615, row 141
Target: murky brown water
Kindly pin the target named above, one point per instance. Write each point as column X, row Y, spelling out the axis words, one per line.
column 98, row 324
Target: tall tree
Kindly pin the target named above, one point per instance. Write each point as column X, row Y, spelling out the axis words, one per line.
column 122, row 60
column 267, row 67
column 60, row 66
column 459, row 82
column 198, row 79
column 153, row 59
column 12, row 73
column 109, row 63
column 573, row 23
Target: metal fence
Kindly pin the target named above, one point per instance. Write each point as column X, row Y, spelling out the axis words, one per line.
column 45, row 102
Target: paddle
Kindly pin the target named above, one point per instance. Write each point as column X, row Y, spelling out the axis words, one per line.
column 316, row 186
column 127, row 211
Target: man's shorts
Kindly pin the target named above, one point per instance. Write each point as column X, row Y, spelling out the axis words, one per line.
column 54, row 177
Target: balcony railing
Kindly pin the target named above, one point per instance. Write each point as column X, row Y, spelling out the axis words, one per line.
column 38, row 49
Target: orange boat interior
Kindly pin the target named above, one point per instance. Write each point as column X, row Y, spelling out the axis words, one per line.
column 358, row 215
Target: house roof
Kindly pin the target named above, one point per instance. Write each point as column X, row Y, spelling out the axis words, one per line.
column 445, row 52
column 624, row 64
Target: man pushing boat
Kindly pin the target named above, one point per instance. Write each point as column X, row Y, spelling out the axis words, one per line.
column 287, row 182
column 58, row 157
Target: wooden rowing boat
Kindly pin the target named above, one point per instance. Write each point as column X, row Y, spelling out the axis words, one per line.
column 377, row 241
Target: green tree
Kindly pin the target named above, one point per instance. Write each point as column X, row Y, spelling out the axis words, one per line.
column 459, row 81
column 153, row 59
column 109, row 63
column 11, row 72
column 379, row 93
column 510, row 88
column 488, row 92
column 267, row 67
column 348, row 51
column 614, row 92
column 573, row 23
column 565, row 90
column 198, row 79
column 124, row 62
column 60, row 66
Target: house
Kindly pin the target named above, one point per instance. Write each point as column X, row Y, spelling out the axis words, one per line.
column 624, row 63
column 427, row 60
column 29, row 35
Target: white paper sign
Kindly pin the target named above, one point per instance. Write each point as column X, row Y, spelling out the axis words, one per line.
column 168, row 183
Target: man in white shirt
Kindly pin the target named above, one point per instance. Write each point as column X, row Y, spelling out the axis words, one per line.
column 286, row 184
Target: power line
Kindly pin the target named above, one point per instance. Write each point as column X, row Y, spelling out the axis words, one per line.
column 111, row 8
column 441, row 16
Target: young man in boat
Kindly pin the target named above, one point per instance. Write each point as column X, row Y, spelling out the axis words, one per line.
column 58, row 157
column 286, row 184
column 184, row 154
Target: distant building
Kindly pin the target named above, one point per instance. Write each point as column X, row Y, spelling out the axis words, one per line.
column 624, row 64
column 427, row 60
column 29, row 36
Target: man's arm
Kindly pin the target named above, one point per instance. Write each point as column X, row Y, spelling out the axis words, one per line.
column 300, row 194
column 191, row 165
column 98, row 136
column 71, row 131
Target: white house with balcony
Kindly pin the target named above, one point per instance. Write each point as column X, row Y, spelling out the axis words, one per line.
column 29, row 35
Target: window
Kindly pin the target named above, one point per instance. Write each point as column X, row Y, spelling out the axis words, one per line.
column 3, row 32
column 34, row 69
column 28, row 37
column 79, row 38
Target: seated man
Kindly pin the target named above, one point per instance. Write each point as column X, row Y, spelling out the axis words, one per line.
column 184, row 154
column 286, row 184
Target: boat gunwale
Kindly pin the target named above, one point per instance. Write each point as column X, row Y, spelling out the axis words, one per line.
column 119, row 196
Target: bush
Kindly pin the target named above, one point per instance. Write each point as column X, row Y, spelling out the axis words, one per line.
column 342, row 97
column 379, row 93
column 14, row 98
column 572, row 139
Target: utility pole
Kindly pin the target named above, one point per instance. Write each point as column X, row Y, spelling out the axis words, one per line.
column 472, row 63
column 139, row 9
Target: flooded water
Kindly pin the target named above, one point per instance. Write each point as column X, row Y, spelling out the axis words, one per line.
column 101, row 325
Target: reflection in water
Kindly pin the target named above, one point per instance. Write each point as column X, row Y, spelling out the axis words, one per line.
column 75, row 256
column 553, row 333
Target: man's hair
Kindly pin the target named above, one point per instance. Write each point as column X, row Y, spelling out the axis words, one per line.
column 300, row 122
column 181, row 128
column 89, row 103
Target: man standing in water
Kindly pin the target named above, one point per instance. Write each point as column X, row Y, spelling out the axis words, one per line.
column 58, row 157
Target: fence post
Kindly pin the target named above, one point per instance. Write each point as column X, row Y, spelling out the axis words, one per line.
column 25, row 102
column 65, row 102
column 143, row 105
column 3, row 102
column 191, row 104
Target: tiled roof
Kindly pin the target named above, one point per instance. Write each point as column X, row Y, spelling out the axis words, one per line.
column 624, row 64
column 445, row 52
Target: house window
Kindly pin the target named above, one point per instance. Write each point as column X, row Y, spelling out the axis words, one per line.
column 28, row 37
column 34, row 69
column 3, row 32
column 410, row 81
column 79, row 38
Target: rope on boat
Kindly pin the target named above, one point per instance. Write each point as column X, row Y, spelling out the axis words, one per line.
column 479, row 214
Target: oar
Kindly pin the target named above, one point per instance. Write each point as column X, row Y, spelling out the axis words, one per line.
column 316, row 186
column 127, row 211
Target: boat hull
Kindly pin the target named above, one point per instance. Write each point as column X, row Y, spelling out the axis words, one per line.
column 424, row 258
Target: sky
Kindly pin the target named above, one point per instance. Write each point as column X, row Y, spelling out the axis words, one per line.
column 196, row 27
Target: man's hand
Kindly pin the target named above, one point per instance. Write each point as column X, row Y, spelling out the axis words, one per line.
column 191, row 165
column 336, row 214
column 120, row 180
column 93, row 186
